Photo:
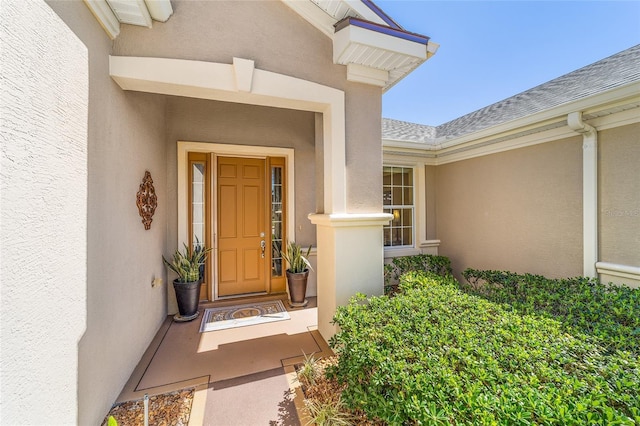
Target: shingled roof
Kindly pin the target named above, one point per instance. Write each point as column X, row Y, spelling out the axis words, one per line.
column 408, row 132
column 615, row 71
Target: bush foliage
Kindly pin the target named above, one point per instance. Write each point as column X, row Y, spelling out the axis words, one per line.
column 607, row 312
column 440, row 265
column 435, row 355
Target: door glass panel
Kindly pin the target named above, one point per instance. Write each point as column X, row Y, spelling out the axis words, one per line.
column 198, row 214
column 276, row 220
column 197, row 202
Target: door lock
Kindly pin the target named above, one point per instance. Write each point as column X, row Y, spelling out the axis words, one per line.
column 263, row 245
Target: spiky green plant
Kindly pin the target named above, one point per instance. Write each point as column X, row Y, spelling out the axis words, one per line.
column 297, row 261
column 308, row 370
column 328, row 413
column 187, row 263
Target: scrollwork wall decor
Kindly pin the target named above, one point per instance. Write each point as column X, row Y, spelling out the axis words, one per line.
column 146, row 200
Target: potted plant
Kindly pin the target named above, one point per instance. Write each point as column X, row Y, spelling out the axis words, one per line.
column 188, row 264
column 297, row 273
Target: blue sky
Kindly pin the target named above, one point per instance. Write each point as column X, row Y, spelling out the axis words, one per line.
column 491, row 50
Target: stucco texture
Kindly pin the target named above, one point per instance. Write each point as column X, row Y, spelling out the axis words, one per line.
column 519, row 210
column 619, row 195
column 126, row 138
column 277, row 40
column 129, row 133
column 43, row 221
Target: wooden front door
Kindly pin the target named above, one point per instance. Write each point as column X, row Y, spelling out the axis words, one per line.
column 242, row 226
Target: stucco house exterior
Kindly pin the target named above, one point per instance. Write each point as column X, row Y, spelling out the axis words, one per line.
column 543, row 182
column 254, row 119
column 283, row 100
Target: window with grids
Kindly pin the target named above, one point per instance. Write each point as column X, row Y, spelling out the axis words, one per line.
column 397, row 199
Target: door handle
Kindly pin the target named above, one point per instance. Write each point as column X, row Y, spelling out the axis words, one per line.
column 263, row 245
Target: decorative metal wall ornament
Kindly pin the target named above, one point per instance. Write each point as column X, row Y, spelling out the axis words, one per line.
column 146, row 200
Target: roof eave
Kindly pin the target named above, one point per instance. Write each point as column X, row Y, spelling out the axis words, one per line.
column 388, row 54
column 587, row 105
column 615, row 107
column 364, row 30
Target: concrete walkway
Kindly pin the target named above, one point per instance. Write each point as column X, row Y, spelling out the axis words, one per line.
column 241, row 375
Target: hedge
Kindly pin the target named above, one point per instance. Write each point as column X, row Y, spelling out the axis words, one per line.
column 435, row 355
column 609, row 313
column 399, row 266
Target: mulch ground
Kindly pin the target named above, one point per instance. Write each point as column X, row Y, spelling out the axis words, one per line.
column 169, row 409
column 328, row 391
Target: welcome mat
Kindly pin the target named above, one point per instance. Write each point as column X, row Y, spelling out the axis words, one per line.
column 242, row 315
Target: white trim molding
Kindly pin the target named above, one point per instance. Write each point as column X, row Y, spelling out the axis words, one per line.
column 419, row 204
column 430, row 247
column 342, row 271
column 232, row 83
column 105, row 16
column 111, row 13
column 614, row 108
column 619, row 274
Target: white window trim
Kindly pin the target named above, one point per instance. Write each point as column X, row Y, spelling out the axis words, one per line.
column 419, row 207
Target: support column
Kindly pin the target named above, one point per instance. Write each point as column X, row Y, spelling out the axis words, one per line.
column 589, row 191
column 350, row 261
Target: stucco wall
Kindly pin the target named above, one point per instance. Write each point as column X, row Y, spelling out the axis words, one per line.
column 619, row 195
column 430, row 200
column 43, row 224
column 126, row 137
column 128, row 133
column 519, row 210
column 364, row 149
column 278, row 40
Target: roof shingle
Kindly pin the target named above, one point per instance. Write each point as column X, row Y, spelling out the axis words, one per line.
column 614, row 71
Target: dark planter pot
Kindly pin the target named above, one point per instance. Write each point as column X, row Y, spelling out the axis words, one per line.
column 187, row 296
column 297, row 288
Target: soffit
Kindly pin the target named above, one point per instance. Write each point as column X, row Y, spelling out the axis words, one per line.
column 112, row 13
column 375, row 49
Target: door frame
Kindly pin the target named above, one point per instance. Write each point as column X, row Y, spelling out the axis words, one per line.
column 219, row 149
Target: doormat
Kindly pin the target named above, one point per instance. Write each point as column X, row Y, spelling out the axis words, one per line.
column 242, row 315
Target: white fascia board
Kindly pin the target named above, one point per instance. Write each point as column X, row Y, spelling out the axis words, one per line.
column 160, row 10
column 501, row 143
column 472, row 151
column 105, row 16
column 432, row 48
column 353, row 34
column 599, row 100
column 527, row 131
column 617, row 119
column 313, row 14
column 396, row 143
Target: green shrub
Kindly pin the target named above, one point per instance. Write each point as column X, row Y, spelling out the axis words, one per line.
column 399, row 266
column 608, row 312
column 435, row 355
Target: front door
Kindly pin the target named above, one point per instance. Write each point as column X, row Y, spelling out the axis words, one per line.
column 241, row 226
